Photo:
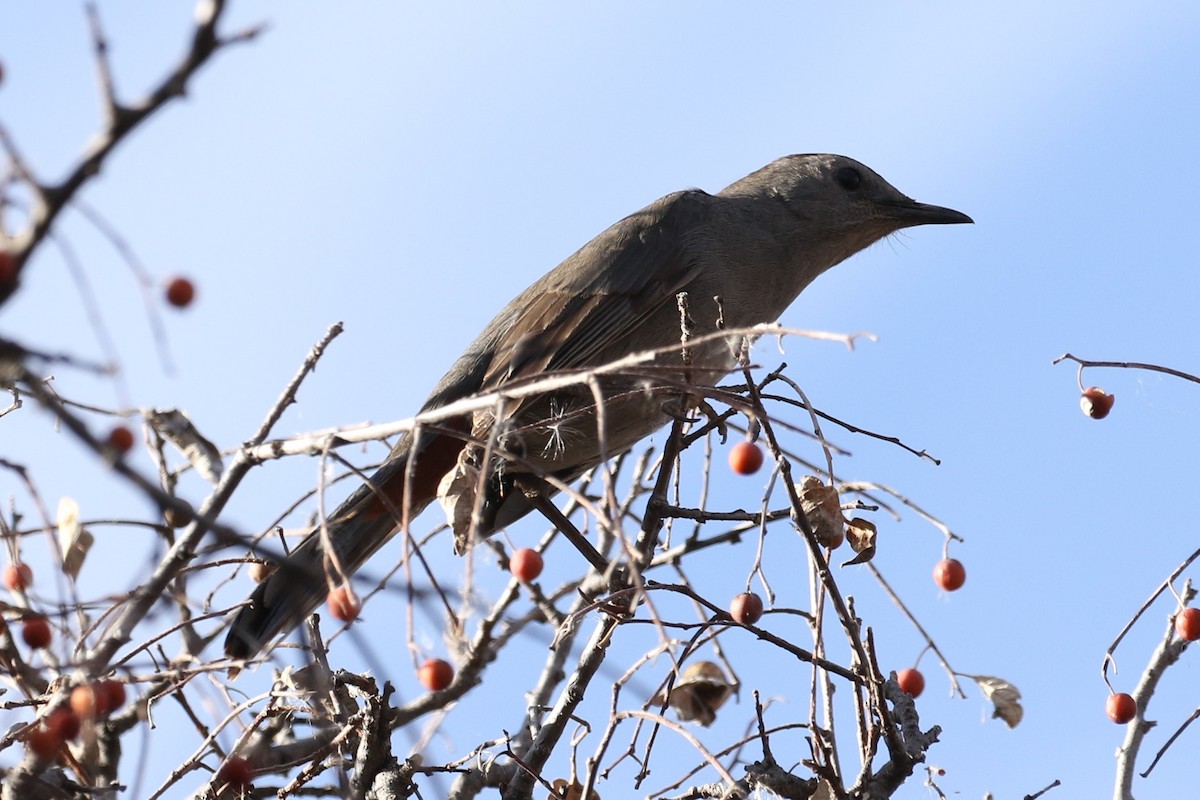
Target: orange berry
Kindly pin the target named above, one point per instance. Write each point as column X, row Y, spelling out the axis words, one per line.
column 98, row 698
column 86, row 702
column 344, row 603
column 1187, row 624
column 1120, row 708
column 950, row 574
column 1096, row 403
column 18, row 576
column 526, row 564
column 745, row 458
column 435, row 674
column 911, row 680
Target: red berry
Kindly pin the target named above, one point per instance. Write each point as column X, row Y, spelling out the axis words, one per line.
column 98, row 698
column 36, row 631
column 746, row 608
column 435, row 674
column 120, row 439
column 344, row 603
column 235, row 772
column 745, row 458
column 526, row 564
column 18, row 576
column 44, row 742
column 1187, row 624
column 114, row 692
column 911, row 680
column 63, row 723
column 1096, row 403
column 8, row 270
column 1120, row 708
column 950, row 574
column 180, row 292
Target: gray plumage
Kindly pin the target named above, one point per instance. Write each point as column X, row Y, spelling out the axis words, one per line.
column 757, row 244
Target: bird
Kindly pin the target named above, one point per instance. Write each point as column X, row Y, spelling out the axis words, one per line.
column 738, row 257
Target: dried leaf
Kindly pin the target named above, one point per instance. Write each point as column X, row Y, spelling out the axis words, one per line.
column 570, row 791
column 861, row 535
column 824, row 791
column 259, row 571
column 822, row 507
column 74, row 540
column 456, row 494
column 701, row 690
column 1004, row 696
column 67, row 517
column 300, row 681
column 175, row 426
column 176, row 518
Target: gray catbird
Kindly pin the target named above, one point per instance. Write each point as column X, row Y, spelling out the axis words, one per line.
column 742, row 256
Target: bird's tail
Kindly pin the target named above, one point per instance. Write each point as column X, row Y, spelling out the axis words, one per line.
column 357, row 529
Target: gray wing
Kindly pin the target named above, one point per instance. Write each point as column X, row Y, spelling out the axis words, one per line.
column 587, row 309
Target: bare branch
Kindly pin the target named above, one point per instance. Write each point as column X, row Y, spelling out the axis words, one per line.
column 50, row 200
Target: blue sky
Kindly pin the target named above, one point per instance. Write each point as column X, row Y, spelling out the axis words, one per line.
column 365, row 166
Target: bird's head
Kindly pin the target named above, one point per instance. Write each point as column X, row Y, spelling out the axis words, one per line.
column 840, row 198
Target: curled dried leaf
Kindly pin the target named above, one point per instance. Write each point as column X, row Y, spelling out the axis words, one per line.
column 861, row 535
column 1004, row 696
column 700, row 691
column 822, row 507
column 456, row 494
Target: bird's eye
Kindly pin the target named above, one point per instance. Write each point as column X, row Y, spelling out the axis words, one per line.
column 848, row 178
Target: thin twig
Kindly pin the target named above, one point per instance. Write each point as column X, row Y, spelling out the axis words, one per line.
column 1187, row 376
column 50, row 200
column 186, row 546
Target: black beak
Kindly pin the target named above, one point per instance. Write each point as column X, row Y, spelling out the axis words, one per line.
column 913, row 213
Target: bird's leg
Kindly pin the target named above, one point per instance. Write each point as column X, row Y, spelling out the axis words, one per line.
column 715, row 419
column 677, row 408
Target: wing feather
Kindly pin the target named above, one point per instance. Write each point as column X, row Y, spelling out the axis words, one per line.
column 587, row 310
